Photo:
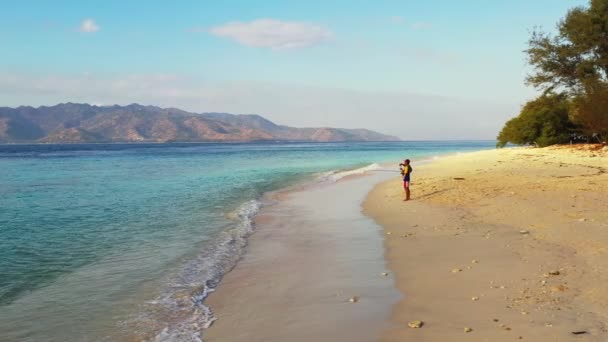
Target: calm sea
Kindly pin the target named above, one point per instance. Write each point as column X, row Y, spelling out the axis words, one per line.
column 97, row 239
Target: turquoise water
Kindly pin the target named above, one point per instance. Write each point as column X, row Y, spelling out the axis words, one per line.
column 102, row 238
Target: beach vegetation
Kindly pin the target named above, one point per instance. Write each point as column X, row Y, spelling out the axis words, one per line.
column 542, row 122
column 576, row 59
column 590, row 113
column 573, row 64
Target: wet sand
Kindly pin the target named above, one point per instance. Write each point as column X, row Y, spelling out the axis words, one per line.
column 510, row 244
column 313, row 250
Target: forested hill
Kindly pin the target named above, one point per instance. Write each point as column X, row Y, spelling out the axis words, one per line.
column 81, row 123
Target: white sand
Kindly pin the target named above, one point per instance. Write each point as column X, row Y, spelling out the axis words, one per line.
column 521, row 214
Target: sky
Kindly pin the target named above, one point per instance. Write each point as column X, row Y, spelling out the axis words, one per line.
column 420, row 70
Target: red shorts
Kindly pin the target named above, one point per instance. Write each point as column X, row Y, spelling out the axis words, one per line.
column 406, row 184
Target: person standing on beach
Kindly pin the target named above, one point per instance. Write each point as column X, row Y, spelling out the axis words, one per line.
column 406, row 170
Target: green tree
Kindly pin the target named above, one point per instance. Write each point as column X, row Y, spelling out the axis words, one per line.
column 541, row 122
column 590, row 111
column 577, row 57
column 575, row 62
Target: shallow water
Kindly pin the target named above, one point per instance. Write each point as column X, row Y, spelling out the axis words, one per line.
column 98, row 242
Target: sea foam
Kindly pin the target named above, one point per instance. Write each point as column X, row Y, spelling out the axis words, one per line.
column 186, row 299
column 183, row 300
column 336, row 175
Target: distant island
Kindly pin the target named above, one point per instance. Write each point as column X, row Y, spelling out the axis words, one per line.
column 85, row 123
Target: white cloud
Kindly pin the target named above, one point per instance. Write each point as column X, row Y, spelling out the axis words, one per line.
column 274, row 34
column 407, row 115
column 88, row 26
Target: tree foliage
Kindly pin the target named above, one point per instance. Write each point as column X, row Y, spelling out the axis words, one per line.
column 590, row 112
column 541, row 122
column 576, row 59
column 573, row 63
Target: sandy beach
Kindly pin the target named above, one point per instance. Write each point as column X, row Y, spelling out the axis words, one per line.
column 500, row 245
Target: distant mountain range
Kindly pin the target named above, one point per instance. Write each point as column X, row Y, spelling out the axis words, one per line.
column 82, row 123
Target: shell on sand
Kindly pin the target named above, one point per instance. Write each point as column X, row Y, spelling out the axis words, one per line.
column 415, row 324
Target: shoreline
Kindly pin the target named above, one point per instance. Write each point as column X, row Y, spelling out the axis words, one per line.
column 217, row 298
column 505, row 243
column 314, row 257
column 200, row 316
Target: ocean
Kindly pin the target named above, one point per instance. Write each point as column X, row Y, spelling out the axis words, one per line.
column 103, row 242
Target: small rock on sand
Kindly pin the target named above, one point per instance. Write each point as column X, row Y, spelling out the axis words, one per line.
column 524, row 232
column 467, row 329
column 354, row 299
column 559, row 288
column 554, row 273
column 384, row 274
column 456, row 270
column 474, row 261
column 582, row 220
column 415, row 324
column 474, row 299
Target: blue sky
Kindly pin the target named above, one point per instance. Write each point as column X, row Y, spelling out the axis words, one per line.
column 438, row 67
